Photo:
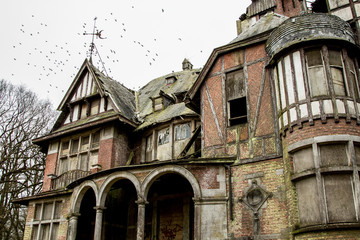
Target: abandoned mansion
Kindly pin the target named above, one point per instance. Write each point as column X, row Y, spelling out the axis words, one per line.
column 263, row 142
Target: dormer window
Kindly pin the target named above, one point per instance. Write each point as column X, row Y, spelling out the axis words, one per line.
column 158, row 104
column 170, row 80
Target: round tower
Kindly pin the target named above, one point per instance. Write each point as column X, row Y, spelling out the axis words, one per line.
column 313, row 58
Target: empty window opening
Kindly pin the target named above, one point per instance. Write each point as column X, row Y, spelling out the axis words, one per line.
column 317, row 6
column 182, row 131
column 236, row 97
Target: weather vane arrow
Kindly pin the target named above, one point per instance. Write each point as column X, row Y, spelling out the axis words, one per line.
column 96, row 33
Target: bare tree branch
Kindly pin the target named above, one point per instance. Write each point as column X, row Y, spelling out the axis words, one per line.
column 23, row 117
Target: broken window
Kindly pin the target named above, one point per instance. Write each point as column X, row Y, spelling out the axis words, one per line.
column 83, row 153
column 353, row 79
column 157, row 104
column 317, row 6
column 74, row 146
column 321, row 191
column 337, row 72
column 182, row 131
column 64, row 165
column 316, row 73
column 95, row 107
column 46, row 220
column 83, row 110
column 95, row 141
column 236, row 97
column 85, row 143
column 65, row 148
column 320, row 59
column 148, row 147
column 163, row 136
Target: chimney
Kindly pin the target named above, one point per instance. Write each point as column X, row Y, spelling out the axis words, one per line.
column 186, row 65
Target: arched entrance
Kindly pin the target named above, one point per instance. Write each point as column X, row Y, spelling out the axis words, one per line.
column 170, row 212
column 86, row 221
column 120, row 214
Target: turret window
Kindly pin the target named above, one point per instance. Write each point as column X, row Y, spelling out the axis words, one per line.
column 326, row 182
column 316, row 71
column 318, row 61
column 316, row 82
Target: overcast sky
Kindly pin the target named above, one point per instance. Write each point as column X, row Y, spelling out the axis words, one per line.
column 43, row 46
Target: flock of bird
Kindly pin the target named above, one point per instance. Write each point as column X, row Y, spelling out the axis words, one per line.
column 62, row 54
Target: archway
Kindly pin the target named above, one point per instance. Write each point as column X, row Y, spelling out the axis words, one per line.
column 170, row 212
column 86, row 222
column 120, row 214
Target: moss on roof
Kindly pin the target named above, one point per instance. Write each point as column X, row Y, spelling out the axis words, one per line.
column 185, row 79
column 167, row 114
column 123, row 98
column 266, row 23
column 90, row 119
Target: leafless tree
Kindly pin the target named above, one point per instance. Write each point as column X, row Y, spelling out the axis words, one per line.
column 23, row 117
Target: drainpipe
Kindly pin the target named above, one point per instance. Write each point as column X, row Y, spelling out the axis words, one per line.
column 230, row 193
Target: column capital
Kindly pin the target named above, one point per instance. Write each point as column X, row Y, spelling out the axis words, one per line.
column 99, row 208
column 141, row 201
column 73, row 216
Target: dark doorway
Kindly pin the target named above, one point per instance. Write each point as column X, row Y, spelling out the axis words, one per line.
column 120, row 215
column 170, row 212
column 86, row 221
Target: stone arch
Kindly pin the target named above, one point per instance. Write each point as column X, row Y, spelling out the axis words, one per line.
column 158, row 172
column 81, row 192
column 112, row 178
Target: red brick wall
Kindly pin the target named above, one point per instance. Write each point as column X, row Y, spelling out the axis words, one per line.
column 253, row 59
column 50, row 168
column 207, row 176
column 289, row 9
column 106, row 158
column 320, row 129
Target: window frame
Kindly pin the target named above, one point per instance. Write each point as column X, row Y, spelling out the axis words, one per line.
column 64, row 163
column 38, row 224
column 327, row 67
column 320, row 171
column 239, row 116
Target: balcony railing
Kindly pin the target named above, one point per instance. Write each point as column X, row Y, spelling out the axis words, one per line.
column 68, row 177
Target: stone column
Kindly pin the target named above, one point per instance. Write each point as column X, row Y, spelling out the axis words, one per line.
column 141, row 219
column 72, row 226
column 98, row 222
column 197, row 219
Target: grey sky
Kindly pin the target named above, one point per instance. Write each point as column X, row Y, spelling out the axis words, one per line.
column 43, row 44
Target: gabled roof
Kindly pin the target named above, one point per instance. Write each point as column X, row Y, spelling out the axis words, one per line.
column 122, row 98
column 258, row 32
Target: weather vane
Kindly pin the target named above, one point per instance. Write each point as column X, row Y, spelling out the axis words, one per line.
column 96, row 33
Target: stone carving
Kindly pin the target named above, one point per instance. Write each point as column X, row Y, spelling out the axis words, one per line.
column 254, row 198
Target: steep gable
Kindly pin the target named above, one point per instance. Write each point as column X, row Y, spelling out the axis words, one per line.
column 91, row 97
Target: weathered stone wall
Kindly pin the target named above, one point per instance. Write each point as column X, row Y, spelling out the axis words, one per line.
column 273, row 214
